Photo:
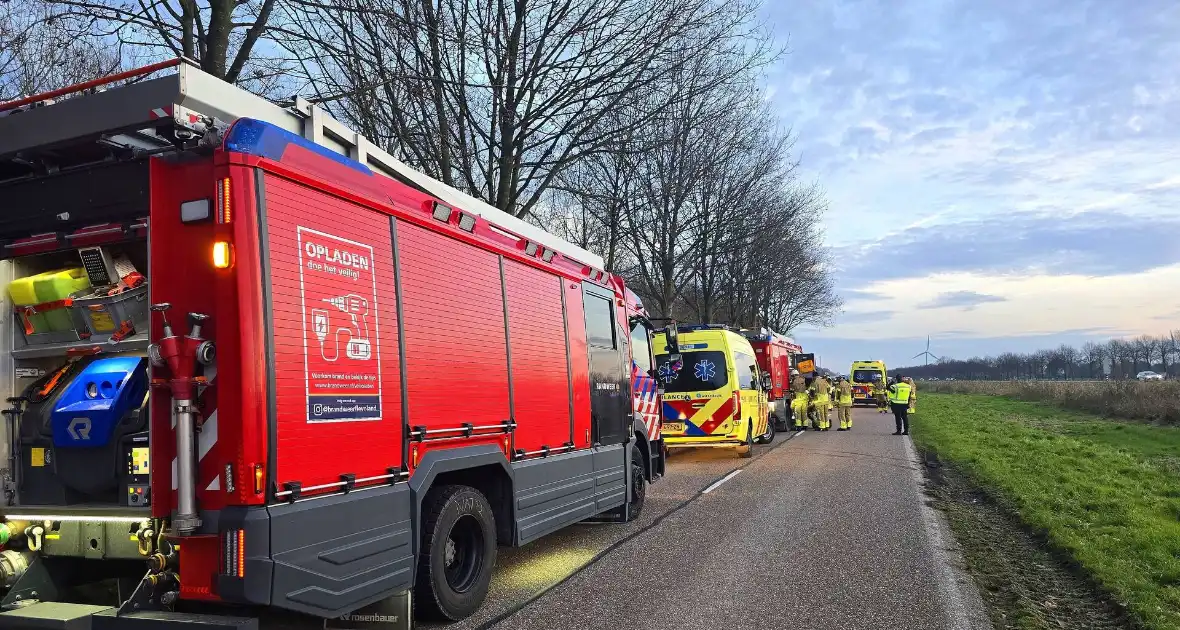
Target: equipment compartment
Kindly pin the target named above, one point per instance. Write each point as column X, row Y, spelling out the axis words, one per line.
column 77, row 386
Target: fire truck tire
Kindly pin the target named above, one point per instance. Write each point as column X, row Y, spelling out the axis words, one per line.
column 638, row 485
column 747, row 449
column 457, row 555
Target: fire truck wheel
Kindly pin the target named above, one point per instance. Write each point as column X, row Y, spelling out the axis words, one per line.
column 458, row 553
column 747, row 449
column 638, row 485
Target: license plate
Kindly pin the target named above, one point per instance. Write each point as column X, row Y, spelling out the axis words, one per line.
column 674, row 427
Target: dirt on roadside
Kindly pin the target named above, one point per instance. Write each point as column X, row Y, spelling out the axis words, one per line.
column 1024, row 582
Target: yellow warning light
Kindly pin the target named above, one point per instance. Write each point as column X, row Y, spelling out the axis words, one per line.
column 223, row 255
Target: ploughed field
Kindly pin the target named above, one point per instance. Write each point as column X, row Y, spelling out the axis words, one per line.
column 1153, row 401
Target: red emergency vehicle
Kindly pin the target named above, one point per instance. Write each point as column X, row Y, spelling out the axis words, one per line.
column 380, row 378
column 774, row 352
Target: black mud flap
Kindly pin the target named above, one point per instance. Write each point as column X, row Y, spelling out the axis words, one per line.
column 391, row 613
column 341, row 553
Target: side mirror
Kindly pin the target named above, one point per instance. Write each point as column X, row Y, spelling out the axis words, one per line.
column 766, row 381
column 672, row 336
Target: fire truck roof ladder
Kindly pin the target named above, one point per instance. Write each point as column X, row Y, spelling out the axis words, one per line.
column 139, row 116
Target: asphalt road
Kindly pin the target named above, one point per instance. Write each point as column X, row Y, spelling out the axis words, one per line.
column 820, row 531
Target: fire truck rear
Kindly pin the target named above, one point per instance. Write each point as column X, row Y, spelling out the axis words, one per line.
column 258, row 362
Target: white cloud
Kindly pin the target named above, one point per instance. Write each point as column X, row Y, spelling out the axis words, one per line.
column 963, row 112
column 1032, row 305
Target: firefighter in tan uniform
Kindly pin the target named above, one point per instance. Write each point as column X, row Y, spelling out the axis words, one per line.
column 844, row 403
column 913, row 394
column 881, row 393
column 822, row 398
column 799, row 399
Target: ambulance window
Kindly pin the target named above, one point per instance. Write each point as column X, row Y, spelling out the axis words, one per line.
column 600, row 322
column 745, row 377
column 640, row 350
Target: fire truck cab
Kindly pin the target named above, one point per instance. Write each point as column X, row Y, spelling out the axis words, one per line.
column 252, row 360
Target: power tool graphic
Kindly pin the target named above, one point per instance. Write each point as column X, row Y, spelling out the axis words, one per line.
column 358, row 348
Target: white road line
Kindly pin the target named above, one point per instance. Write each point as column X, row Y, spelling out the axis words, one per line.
column 717, row 484
column 962, row 605
column 799, row 432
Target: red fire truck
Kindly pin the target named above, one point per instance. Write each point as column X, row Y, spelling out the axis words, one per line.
column 380, row 378
column 774, row 352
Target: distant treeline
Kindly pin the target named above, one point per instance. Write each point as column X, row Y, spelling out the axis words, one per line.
column 1117, row 358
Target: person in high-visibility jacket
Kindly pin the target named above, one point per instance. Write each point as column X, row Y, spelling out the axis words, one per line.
column 913, row 394
column 899, row 400
column 844, row 403
column 799, row 399
column 822, row 398
column 880, row 394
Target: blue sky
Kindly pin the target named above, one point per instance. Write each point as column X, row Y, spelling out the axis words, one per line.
column 1001, row 175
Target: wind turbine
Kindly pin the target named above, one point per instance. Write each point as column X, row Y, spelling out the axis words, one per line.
column 926, row 353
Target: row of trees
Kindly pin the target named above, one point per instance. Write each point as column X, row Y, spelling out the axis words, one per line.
column 1117, row 359
column 636, row 128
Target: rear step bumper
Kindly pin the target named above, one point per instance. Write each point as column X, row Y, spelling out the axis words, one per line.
column 60, row 616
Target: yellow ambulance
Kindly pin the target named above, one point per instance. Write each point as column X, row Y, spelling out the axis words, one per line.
column 862, row 374
column 714, row 393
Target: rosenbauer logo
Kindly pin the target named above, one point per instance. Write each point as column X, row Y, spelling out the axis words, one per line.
column 341, row 336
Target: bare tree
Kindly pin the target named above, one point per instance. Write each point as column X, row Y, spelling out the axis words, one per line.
column 1067, row 355
column 1164, row 349
column 37, row 54
column 1093, row 354
column 222, row 35
column 498, row 97
column 1142, row 350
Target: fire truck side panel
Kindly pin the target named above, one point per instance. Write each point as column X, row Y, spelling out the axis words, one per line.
column 555, row 491
column 188, row 288
column 575, row 322
column 250, row 396
column 338, row 384
column 453, row 309
column 540, row 365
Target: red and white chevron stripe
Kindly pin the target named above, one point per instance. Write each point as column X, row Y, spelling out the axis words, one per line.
column 645, row 400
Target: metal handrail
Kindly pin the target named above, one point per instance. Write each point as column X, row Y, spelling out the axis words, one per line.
column 421, row 434
column 343, row 482
column 545, row 450
column 81, row 87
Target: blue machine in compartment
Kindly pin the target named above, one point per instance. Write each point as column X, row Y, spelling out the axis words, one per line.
column 95, row 402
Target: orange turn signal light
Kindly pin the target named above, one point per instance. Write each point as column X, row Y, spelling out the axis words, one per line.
column 223, row 255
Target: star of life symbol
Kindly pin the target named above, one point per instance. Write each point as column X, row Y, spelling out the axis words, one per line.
column 704, row 370
column 667, row 373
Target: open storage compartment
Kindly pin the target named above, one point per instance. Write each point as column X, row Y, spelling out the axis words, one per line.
column 74, row 270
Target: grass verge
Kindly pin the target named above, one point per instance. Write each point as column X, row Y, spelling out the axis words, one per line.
column 1105, row 493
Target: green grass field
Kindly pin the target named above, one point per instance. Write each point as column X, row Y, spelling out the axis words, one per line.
column 1106, row 492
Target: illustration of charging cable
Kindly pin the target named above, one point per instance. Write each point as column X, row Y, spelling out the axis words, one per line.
column 359, row 347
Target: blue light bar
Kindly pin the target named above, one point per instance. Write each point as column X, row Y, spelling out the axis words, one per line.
column 262, row 139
